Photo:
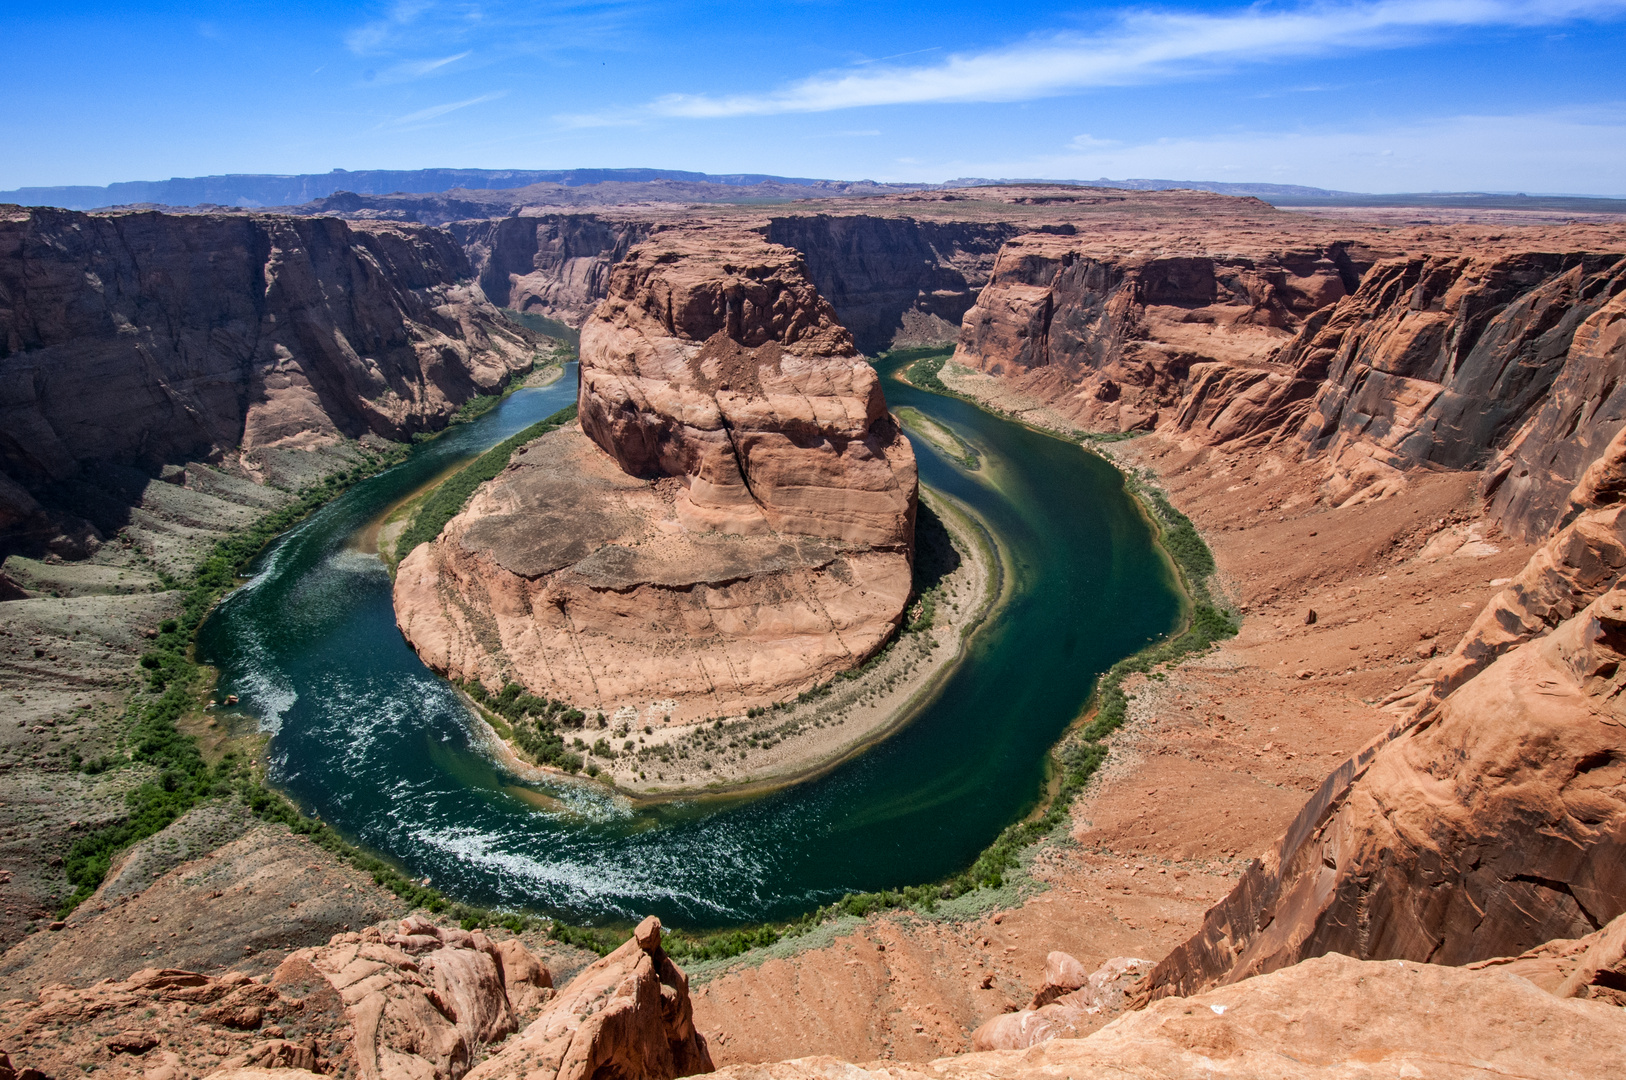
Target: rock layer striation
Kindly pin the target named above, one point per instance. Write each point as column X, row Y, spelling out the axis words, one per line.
column 145, row 339
column 733, row 523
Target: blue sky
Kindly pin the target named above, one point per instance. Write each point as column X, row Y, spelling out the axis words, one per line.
column 1365, row 96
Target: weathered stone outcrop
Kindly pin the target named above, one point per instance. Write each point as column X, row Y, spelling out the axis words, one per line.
column 894, row 279
column 1332, row 1017
column 628, row 1015
column 423, row 1000
column 741, row 531
column 714, row 359
column 591, row 586
column 1440, row 361
column 556, row 265
column 1112, row 339
column 1495, row 825
column 146, row 339
column 416, row 1002
column 1579, row 563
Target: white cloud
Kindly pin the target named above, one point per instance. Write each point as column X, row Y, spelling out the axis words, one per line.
column 1571, row 151
column 424, row 67
column 435, row 111
column 1141, row 46
column 380, row 33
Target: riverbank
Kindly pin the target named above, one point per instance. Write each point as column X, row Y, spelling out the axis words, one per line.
column 108, row 651
column 960, row 582
column 1214, row 759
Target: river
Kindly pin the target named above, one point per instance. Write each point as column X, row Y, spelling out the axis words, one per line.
column 366, row 737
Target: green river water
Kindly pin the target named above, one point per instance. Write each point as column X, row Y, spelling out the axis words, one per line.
column 365, row 736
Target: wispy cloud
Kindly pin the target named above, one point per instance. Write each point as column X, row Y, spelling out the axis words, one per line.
column 376, row 35
column 1140, row 46
column 409, row 28
column 426, row 67
column 436, row 111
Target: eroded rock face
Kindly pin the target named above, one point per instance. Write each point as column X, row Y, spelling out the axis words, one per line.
column 894, row 279
column 1331, row 1017
column 1441, row 360
column 628, row 1015
column 1491, row 827
column 1592, row 967
column 1578, row 563
column 148, row 338
column 416, row 1002
column 421, row 1001
column 1112, row 339
column 735, row 525
column 715, row 360
column 557, row 265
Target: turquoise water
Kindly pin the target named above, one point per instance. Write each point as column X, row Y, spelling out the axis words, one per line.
column 365, row 736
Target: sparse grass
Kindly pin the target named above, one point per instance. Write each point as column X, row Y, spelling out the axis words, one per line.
column 447, row 501
column 926, row 371
column 182, row 778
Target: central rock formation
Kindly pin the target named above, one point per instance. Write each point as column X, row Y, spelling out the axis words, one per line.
column 714, row 359
column 742, row 530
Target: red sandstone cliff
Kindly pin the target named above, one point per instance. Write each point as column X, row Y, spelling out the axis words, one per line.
column 715, row 359
column 741, row 530
column 557, row 265
column 148, row 338
column 1114, row 339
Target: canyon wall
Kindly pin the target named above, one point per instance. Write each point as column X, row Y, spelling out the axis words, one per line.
column 887, row 278
column 1452, row 362
column 147, row 339
column 732, row 524
column 1492, row 817
column 557, row 265
column 1113, row 340
column 1507, row 361
column 894, row 279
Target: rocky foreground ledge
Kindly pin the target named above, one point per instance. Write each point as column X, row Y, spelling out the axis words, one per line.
column 412, row 1001
column 416, row 1001
column 732, row 525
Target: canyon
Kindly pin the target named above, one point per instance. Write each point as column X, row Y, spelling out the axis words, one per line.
column 1402, row 444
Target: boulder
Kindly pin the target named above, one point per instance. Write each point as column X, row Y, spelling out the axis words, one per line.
column 525, row 979
column 1062, row 974
column 1068, row 1005
column 627, row 1016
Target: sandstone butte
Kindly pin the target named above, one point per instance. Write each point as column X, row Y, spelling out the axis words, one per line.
column 732, row 523
column 1406, row 448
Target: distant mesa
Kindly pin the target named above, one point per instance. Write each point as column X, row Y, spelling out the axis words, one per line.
column 732, row 524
